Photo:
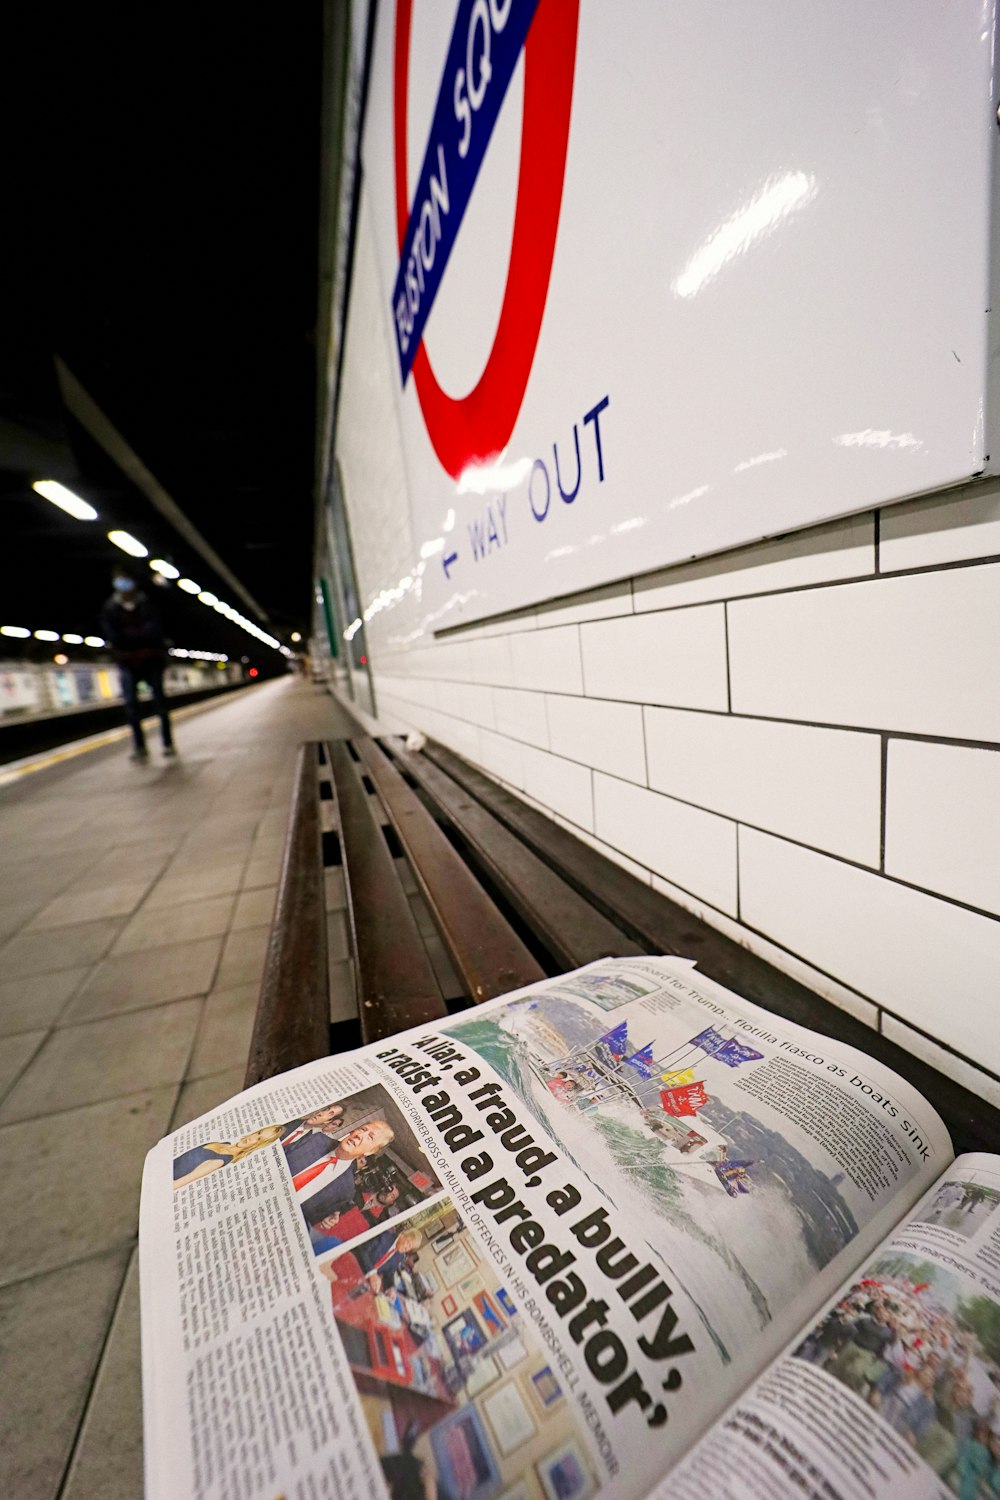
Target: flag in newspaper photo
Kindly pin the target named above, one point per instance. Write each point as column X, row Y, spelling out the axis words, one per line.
column 615, row 1040
column 686, row 1100
column 708, row 1040
column 733, row 1053
column 642, row 1061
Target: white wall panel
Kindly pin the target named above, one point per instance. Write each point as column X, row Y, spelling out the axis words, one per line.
column 521, row 716
column 560, row 785
column 915, row 653
column 605, row 735
column 824, row 554
column 942, row 827
column 697, row 848
column 819, row 786
column 956, row 527
column 727, row 307
column 931, row 963
column 548, row 660
column 675, row 657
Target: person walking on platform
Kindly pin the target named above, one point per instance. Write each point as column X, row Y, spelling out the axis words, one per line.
column 132, row 627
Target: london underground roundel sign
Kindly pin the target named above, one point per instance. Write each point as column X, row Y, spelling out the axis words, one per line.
column 485, row 45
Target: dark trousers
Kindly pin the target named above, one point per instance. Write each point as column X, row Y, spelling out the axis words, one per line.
column 151, row 673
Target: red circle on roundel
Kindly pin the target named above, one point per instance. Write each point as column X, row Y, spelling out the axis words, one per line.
column 477, row 427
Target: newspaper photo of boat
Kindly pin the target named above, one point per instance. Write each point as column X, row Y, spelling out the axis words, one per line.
column 665, row 1120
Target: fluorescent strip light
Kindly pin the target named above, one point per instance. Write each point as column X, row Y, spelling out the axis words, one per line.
column 189, row 586
column 205, row 597
column 18, row 631
column 93, row 640
column 58, row 494
column 46, row 635
column 73, row 640
column 165, row 569
column 128, row 544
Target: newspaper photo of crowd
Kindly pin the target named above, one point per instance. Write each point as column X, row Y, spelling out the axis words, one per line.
column 962, row 1207
column 926, row 1356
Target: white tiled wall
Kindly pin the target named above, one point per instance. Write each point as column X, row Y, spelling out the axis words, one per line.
column 797, row 741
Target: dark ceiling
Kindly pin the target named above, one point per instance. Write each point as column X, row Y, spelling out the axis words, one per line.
column 167, row 252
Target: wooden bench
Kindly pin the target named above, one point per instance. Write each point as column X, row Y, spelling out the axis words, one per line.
column 457, row 891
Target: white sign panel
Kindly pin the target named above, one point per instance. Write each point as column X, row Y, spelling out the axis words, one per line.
column 658, row 280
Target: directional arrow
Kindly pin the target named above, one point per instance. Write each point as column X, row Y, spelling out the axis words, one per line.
column 446, row 563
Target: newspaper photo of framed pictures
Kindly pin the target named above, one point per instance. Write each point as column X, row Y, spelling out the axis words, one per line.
column 564, row 1474
column 545, row 1388
column 509, row 1419
column 455, row 1262
column 511, row 1354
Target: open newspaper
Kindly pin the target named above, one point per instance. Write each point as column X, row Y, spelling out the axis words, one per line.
column 620, row 1233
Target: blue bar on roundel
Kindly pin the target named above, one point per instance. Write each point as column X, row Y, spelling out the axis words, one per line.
column 485, row 45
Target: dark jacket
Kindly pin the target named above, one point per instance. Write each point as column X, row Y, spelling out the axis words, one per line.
column 135, row 634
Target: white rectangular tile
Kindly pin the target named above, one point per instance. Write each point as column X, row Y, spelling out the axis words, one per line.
column 597, row 733
column 458, row 736
column 451, row 660
column 843, row 549
column 694, row 849
column 559, row 785
column 820, row 786
column 615, row 855
column 450, row 698
column 930, row 962
column 477, row 704
column 597, row 604
column 521, row 715
column 942, row 826
column 915, row 653
column 779, row 958
column 489, row 661
column 502, row 757
column 974, row 1079
column 675, row 657
column 548, row 660
column 957, row 526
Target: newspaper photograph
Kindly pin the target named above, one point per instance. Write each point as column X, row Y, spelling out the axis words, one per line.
column 530, row 1253
column 895, row 1390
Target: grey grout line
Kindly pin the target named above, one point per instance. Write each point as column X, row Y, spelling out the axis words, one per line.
column 95, row 1372
column 77, row 1260
column 175, row 1083
column 958, row 741
column 12, row 1085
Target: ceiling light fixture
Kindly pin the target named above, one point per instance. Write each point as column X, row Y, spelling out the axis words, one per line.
column 58, row 494
column 128, row 543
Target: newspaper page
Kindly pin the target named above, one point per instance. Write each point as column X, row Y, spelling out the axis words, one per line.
column 895, row 1390
column 530, row 1252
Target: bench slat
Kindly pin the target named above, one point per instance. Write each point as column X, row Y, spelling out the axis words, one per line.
column 292, row 1024
column 396, row 984
column 486, row 951
column 569, row 926
column 664, row 927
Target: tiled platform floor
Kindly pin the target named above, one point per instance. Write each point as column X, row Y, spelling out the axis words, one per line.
column 135, row 903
